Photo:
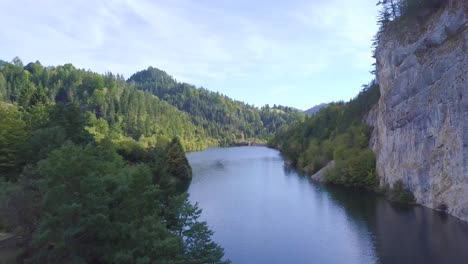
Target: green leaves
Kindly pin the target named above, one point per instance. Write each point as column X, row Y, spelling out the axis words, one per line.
column 98, row 209
column 221, row 119
column 337, row 133
column 356, row 169
column 196, row 236
column 178, row 164
column 92, row 175
column 14, row 133
column 397, row 16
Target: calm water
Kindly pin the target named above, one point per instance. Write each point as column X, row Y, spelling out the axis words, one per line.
column 262, row 212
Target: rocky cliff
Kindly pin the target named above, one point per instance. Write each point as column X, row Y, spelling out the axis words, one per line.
column 421, row 120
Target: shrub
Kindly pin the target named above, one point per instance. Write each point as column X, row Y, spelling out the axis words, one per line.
column 356, row 169
column 400, row 194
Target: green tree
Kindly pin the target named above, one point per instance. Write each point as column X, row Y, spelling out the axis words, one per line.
column 199, row 248
column 3, row 88
column 92, row 172
column 13, row 135
column 177, row 162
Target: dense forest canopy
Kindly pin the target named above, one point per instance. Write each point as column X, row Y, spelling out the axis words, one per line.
column 93, row 170
column 93, row 167
column 111, row 106
column 222, row 118
column 149, row 107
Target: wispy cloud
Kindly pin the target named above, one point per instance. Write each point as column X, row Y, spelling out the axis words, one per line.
column 234, row 47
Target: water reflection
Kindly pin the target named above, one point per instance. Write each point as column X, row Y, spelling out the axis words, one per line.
column 406, row 234
column 264, row 212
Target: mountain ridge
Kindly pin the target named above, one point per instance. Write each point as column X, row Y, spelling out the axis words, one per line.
column 227, row 120
column 313, row 110
column 144, row 105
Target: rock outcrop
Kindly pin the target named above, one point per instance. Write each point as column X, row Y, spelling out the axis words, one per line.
column 320, row 175
column 421, row 120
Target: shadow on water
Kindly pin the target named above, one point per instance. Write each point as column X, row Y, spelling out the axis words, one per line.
column 404, row 233
column 265, row 212
column 290, row 171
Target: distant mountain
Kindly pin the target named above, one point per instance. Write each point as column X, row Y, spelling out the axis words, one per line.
column 312, row 111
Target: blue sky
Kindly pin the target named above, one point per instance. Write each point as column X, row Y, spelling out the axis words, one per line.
column 296, row 53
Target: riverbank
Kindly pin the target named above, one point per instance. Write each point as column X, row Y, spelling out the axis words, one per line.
column 250, row 144
column 326, row 175
column 321, row 223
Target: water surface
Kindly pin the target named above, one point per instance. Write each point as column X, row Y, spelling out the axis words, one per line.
column 262, row 212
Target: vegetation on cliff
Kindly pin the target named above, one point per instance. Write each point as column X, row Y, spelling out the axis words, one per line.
column 397, row 17
column 336, row 132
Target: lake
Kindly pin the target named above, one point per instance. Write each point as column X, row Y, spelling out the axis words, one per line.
column 263, row 212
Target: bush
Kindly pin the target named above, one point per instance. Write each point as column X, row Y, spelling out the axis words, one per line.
column 356, row 169
column 400, row 194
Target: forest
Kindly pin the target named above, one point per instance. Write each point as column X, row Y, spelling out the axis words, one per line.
column 223, row 119
column 93, row 169
column 150, row 107
column 336, row 132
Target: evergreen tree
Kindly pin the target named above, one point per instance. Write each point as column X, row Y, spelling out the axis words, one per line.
column 14, row 133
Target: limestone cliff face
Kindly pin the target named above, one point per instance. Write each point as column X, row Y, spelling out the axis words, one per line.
column 421, row 121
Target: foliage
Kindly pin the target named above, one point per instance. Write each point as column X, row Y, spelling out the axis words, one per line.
column 355, row 169
column 335, row 133
column 400, row 194
column 397, row 16
column 195, row 234
column 13, row 135
column 6, row 189
column 89, row 173
column 177, row 161
column 149, row 105
column 112, row 105
column 225, row 120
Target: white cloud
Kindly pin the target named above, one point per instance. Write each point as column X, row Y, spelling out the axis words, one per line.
column 206, row 44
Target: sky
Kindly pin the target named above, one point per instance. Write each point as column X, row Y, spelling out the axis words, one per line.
column 298, row 53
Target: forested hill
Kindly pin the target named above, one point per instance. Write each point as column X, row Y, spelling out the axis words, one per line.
column 151, row 106
column 92, row 170
column 223, row 119
column 112, row 107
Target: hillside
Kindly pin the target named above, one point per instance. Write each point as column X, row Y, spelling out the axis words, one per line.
column 112, row 106
column 150, row 106
column 93, row 170
column 225, row 120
